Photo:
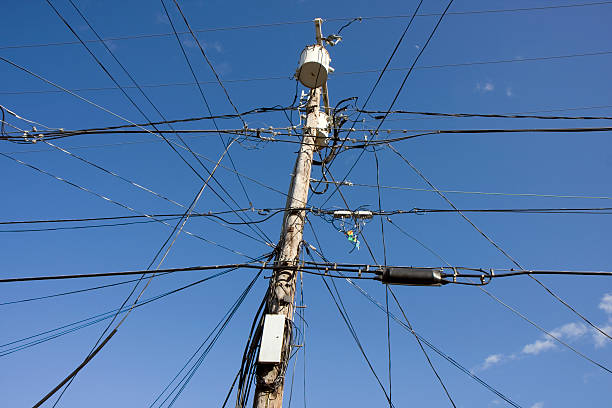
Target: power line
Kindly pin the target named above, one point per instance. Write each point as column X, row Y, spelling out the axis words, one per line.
column 115, row 202
column 432, row 346
column 261, row 234
column 350, row 184
column 482, row 115
column 416, row 59
column 72, row 292
column 510, row 258
column 83, row 323
column 206, row 104
column 360, row 72
column 510, row 308
column 300, row 22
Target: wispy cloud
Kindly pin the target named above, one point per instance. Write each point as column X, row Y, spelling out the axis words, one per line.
column 538, row 346
column 538, row 405
column 161, row 19
column 509, row 92
column 569, row 332
column 190, row 43
column 492, row 360
column 486, row 86
column 606, row 303
column 599, row 339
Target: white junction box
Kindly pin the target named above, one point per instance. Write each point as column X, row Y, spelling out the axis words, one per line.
column 272, row 339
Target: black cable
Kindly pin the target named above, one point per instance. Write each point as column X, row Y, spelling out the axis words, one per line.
column 433, row 347
column 80, row 324
column 198, row 363
column 225, row 319
column 172, row 217
column 344, row 314
column 69, row 292
column 382, row 72
column 212, row 68
column 70, row 379
column 498, row 300
column 443, row 196
column 264, row 237
column 299, row 22
column 479, row 131
column 396, row 94
column 291, row 78
column 307, row 268
column 223, row 142
column 483, row 115
column 420, row 345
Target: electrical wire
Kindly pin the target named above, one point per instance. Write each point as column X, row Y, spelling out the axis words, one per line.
column 482, row 115
column 216, row 331
column 416, row 59
column 300, row 22
column 206, row 104
column 176, row 232
column 83, row 323
column 432, row 346
column 350, row 183
column 116, row 202
column 226, row 146
column 512, row 309
column 336, row 73
column 550, row 292
column 72, row 292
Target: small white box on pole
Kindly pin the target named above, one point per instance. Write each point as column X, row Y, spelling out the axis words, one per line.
column 272, row 339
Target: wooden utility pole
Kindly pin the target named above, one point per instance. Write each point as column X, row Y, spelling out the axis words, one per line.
column 270, row 376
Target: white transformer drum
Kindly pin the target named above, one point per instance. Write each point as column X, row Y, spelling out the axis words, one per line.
column 314, row 66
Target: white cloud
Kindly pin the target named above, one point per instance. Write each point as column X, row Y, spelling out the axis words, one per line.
column 509, row 92
column 599, row 339
column 491, row 361
column 538, row 346
column 217, row 46
column 486, row 86
column 538, row 405
column 606, row 303
column 570, row 331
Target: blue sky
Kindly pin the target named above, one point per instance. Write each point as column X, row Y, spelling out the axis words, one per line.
column 256, row 65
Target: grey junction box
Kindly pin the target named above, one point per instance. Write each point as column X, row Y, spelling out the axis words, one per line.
column 272, row 338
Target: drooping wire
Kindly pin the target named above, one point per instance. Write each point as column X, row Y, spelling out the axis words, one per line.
column 156, row 109
column 185, row 217
column 191, row 372
column 433, row 347
column 382, row 72
column 397, row 94
column 345, row 317
column 81, row 324
column 117, row 203
column 207, row 105
column 500, row 249
column 498, row 300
